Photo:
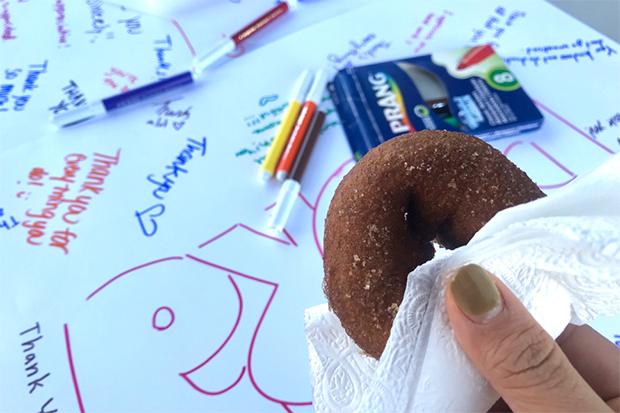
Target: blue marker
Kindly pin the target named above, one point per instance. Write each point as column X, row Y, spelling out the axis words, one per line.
column 157, row 88
column 145, row 92
column 106, row 105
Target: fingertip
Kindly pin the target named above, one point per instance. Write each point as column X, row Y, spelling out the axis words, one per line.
column 475, row 293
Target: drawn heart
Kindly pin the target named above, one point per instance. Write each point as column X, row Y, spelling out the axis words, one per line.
column 153, row 212
column 266, row 99
column 177, row 125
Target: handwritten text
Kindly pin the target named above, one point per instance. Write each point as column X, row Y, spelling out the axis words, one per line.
column 165, row 182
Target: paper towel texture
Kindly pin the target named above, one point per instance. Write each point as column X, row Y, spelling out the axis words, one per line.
column 560, row 255
column 340, row 372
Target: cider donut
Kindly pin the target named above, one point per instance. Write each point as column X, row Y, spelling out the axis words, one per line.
column 402, row 195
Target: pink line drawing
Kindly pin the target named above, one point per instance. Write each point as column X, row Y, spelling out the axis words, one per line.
column 558, row 164
column 285, row 404
column 270, row 206
column 512, row 145
column 162, row 328
column 289, row 236
column 255, row 325
column 576, row 129
column 218, row 236
column 551, row 158
column 185, row 375
column 189, row 44
column 128, row 271
column 262, row 234
column 72, row 367
column 303, row 198
column 316, row 204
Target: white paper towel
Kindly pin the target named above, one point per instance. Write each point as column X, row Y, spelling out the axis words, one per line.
column 560, row 255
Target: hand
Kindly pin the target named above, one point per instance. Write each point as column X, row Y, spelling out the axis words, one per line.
column 529, row 370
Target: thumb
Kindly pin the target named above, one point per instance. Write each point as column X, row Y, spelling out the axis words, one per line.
column 511, row 350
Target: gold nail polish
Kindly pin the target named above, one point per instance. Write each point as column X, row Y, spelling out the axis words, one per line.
column 475, row 292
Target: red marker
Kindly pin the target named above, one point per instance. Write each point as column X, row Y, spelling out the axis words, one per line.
column 303, row 122
column 260, row 22
column 475, row 55
column 229, row 44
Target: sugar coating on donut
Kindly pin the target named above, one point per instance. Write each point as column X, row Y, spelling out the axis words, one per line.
column 388, row 210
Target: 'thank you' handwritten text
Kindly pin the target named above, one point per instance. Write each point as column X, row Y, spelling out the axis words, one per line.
column 165, row 182
column 71, row 207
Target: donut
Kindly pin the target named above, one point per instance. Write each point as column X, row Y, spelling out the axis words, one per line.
column 389, row 208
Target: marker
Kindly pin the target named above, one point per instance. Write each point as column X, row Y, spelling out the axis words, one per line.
column 291, row 187
column 229, row 44
column 303, row 122
column 150, row 90
column 475, row 55
column 268, row 168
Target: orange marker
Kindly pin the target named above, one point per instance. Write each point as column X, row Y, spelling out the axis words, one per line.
column 301, row 127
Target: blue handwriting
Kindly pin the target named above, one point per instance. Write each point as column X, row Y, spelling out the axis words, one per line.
column 4, row 224
column 576, row 52
column 146, row 218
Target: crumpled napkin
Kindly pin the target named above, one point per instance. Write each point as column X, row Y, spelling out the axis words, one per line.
column 560, row 255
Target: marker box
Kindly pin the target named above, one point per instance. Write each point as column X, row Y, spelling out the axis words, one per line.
column 467, row 90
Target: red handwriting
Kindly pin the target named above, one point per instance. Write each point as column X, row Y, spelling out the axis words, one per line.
column 35, row 175
column 426, row 34
column 59, row 7
column 7, row 33
column 100, row 169
column 72, row 206
column 117, row 73
column 71, row 168
column 60, row 239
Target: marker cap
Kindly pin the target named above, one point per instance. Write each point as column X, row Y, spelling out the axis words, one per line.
column 301, row 87
column 78, row 115
column 286, row 199
column 318, row 86
column 281, row 175
column 265, row 175
column 219, row 51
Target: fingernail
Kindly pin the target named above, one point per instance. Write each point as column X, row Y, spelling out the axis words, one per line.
column 476, row 293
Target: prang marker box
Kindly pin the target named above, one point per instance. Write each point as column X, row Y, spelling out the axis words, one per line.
column 468, row 90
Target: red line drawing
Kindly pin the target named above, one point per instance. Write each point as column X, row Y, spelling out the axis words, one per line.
column 289, row 236
column 218, row 236
column 184, row 375
column 318, row 198
column 72, row 367
column 285, row 404
column 551, row 158
column 189, row 44
column 303, row 198
column 270, row 206
column 127, row 272
column 162, row 328
column 262, row 234
column 576, row 129
column 558, row 164
column 512, row 145
column 261, row 311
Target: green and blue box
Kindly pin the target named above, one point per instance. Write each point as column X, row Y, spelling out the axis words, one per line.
column 467, row 90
